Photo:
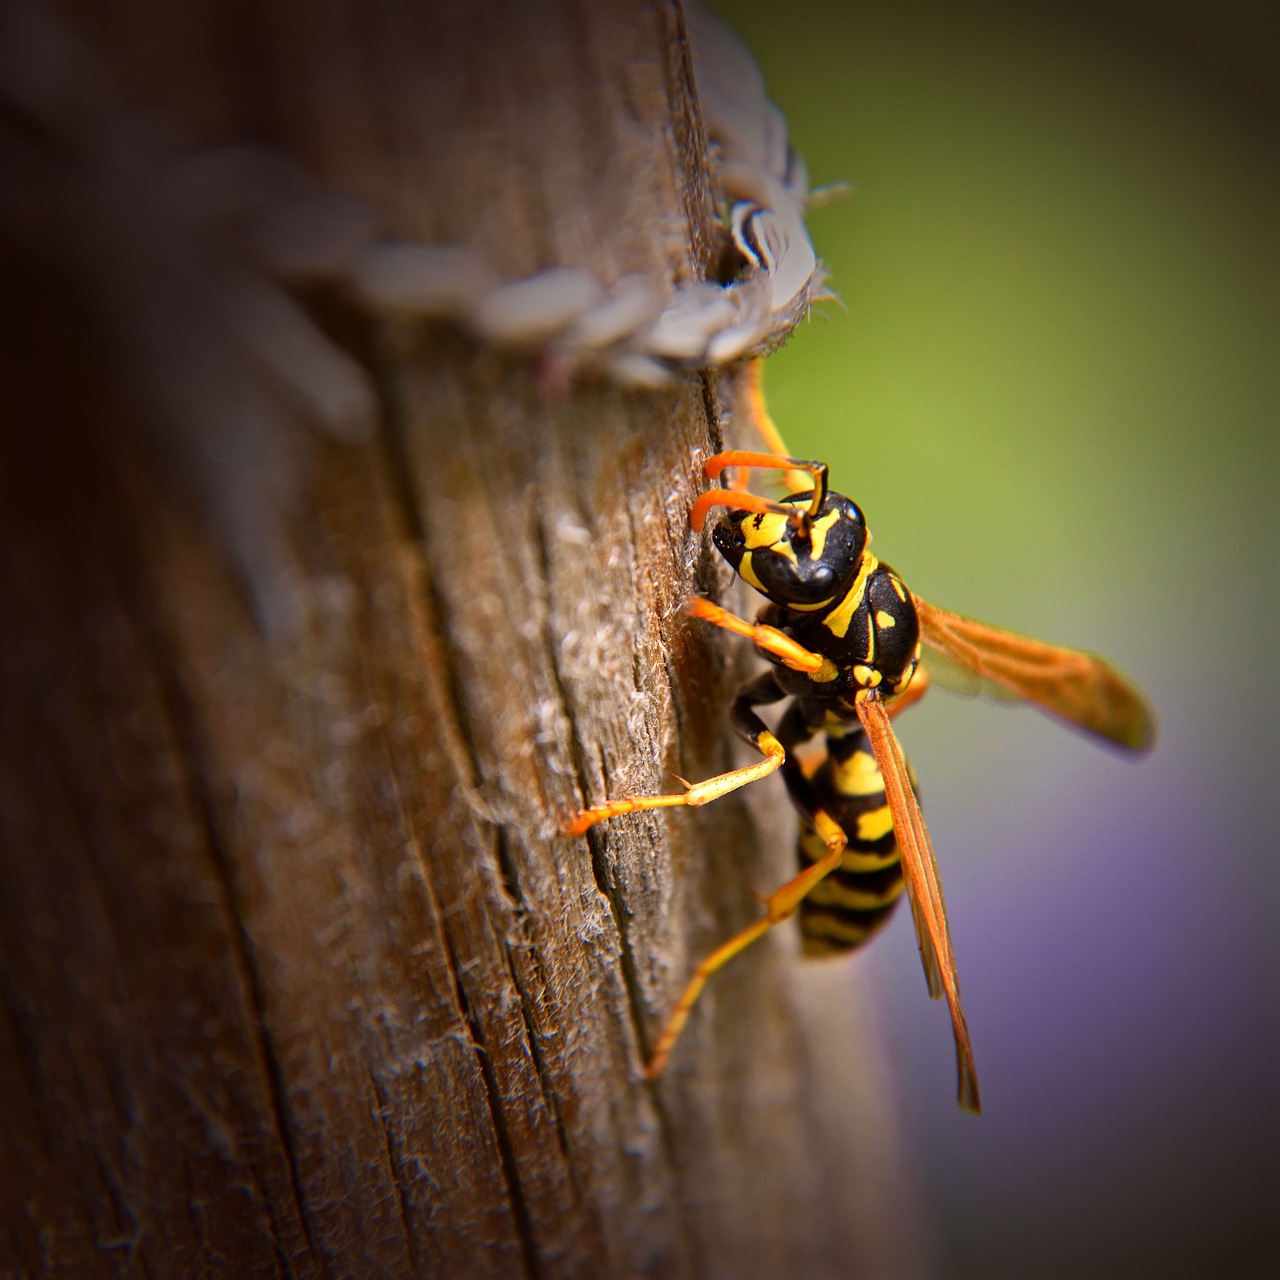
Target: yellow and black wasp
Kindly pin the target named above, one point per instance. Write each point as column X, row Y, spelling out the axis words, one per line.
column 843, row 635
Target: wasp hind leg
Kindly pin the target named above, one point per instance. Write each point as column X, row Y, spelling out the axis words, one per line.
column 780, row 905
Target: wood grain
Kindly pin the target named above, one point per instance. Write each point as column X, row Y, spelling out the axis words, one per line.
column 297, row 976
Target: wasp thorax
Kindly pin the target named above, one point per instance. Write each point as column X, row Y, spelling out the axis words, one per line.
column 796, row 561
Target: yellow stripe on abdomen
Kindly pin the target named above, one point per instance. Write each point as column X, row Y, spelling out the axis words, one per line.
column 854, row 901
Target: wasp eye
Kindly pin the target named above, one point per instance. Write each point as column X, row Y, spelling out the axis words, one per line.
column 729, row 540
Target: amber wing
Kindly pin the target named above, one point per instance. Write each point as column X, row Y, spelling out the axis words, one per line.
column 1078, row 687
column 924, row 887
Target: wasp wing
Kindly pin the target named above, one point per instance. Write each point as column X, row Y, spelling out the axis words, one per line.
column 1078, row 687
column 954, row 677
column 924, row 887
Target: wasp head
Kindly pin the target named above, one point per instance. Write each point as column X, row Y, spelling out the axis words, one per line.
column 796, row 560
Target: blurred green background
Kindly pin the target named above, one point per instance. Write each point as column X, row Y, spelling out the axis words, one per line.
column 1054, row 393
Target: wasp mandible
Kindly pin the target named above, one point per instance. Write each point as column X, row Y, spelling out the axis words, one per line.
column 843, row 636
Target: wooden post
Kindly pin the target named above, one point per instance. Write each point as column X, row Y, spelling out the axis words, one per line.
column 297, row 976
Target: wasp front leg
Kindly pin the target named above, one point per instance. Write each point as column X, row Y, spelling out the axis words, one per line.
column 788, row 651
column 749, row 727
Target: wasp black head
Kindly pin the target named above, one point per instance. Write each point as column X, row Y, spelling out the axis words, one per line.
column 796, row 561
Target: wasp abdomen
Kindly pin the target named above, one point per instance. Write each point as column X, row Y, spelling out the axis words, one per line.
column 851, row 904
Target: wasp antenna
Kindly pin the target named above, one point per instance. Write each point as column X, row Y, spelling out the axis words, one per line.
column 720, row 462
column 735, row 499
column 801, row 525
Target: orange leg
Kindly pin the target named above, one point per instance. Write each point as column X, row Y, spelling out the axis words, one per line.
column 779, row 905
column 814, row 477
column 783, row 902
column 770, row 639
column 698, row 793
column 737, row 500
column 747, row 724
column 757, row 412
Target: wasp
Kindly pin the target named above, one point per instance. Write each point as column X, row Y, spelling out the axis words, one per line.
column 844, row 639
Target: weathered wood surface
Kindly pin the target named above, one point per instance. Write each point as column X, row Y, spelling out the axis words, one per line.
column 297, row 977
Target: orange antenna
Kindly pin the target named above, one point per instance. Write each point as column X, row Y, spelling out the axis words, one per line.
column 741, row 501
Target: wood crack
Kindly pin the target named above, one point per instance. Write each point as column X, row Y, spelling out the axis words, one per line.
column 195, row 768
column 497, row 1114
column 595, row 838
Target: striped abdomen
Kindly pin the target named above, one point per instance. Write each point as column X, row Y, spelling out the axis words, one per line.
column 847, row 907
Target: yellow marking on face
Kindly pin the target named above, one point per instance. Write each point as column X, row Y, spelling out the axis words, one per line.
column 831, row 893
column 837, row 621
column 748, row 574
column 820, row 530
column 766, row 529
column 875, row 824
column 769, row 529
column 859, row 775
column 885, row 620
column 867, row 677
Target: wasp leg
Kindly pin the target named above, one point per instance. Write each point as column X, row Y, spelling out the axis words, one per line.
column 779, row 905
column 770, row 639
column 751, row 397
column 814, row 473
column 749, row 727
